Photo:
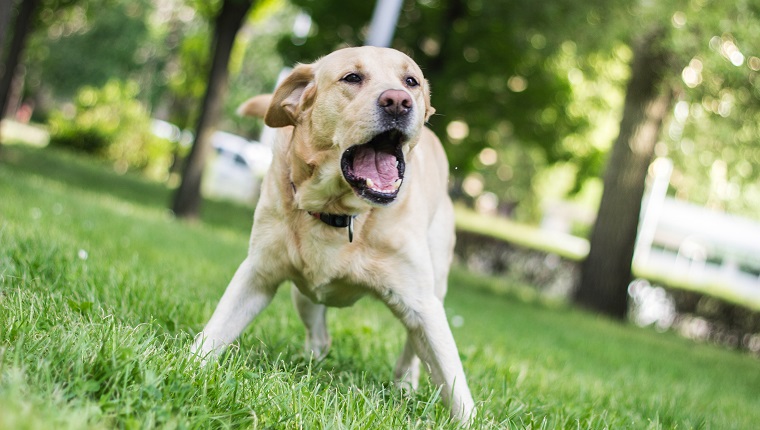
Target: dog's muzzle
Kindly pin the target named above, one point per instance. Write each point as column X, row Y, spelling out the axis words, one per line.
column 375, row 170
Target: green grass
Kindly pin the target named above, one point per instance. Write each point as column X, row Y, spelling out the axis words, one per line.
column 101, row 291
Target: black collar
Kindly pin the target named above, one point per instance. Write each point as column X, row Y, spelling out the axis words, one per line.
column 339, row 221
column 333, row 220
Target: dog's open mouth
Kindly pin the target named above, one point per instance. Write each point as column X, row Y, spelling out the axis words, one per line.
column 375, row 170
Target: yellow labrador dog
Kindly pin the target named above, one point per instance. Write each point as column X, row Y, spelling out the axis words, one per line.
column 355, row 203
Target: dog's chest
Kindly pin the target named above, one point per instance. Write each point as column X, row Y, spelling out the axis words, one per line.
column 337, row 293
column 330, row 275
column 325, row 283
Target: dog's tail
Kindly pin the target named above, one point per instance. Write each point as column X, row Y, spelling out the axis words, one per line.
column 255, row 106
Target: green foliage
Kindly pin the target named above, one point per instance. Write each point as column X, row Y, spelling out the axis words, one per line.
column 110, row 123
column 100, row 292
column 88, row 43
column 186, row 79
column 712, row 136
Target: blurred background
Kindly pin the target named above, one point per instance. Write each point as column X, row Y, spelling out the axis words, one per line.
column 605, row 152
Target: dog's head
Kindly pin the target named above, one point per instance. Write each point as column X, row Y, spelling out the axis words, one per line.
column 357, row 114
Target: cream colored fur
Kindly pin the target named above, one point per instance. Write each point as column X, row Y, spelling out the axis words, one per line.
column 401, row 252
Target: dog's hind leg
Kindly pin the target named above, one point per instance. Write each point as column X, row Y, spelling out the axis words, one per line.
column 245, row 297
column 314, row 317
column 407, row 371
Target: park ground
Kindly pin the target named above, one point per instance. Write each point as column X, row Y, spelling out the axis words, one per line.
column 101, row 291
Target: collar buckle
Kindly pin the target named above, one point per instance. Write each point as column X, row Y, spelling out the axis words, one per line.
column 338, row 221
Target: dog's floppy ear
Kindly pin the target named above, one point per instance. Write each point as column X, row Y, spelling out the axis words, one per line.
column 289, row 97
column 429, row 109
column 255, row 106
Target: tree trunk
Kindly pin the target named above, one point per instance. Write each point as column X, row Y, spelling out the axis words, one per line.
column 606, row 273
column 454, row 10
column 187, row 199
column 21, row 30
column 6, row 9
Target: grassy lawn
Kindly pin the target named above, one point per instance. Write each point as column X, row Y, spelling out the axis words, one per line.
column 101, row 292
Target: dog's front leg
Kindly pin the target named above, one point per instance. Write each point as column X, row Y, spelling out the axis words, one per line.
column 429, row 332
column 245, row 297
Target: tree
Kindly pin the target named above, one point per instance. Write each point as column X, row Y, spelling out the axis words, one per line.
column 606, row 272
column 716, row 120
column 21, row 29
column 228, row 21
column 27, row 19
column 89, row 45
column 698, row 64
column 6, row 10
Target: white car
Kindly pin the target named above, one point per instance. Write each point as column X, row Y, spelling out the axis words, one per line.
column 236, row 169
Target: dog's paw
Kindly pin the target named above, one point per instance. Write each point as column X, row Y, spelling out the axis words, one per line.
column 464, row 412
column 469, row 421
column 317, row 348
column 205, row 350
column 407, row 380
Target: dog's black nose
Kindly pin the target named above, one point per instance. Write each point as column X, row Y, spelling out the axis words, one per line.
column 396, row 103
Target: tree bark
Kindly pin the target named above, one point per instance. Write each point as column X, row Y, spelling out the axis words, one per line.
column 6, row 9
column 187, row 199
column 454, row 10
column 21, row 30
column 606, row 273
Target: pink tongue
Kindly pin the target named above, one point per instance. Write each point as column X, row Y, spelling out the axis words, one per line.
column 380, row 167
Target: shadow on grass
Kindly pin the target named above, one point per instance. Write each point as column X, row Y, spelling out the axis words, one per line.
column 95, row 176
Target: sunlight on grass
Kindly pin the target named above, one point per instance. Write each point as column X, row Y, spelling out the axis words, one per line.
column 28, row 134
column 564, row 245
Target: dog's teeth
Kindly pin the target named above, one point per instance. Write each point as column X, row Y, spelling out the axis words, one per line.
column 370, row 184
column 397, row 184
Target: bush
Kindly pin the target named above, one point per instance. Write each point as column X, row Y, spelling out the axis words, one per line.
column 110, row 123
column 88, row 141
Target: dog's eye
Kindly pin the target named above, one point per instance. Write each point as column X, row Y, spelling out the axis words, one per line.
column 352, row 78
column 411, row 82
